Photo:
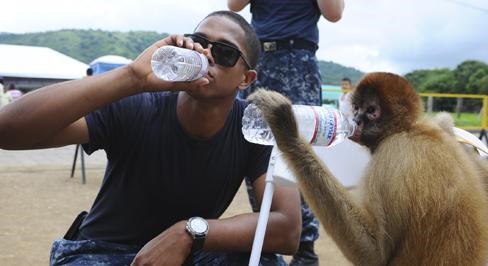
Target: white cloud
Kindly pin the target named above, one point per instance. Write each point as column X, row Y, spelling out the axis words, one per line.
column 397, row 36
column 365, row 58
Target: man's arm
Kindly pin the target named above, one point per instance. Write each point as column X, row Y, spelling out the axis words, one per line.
column 234, row 233
column 237, row 5
column 53, row 115
column 331, row 9
column 282, row 232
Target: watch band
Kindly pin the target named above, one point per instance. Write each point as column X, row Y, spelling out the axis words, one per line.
column 197, row 244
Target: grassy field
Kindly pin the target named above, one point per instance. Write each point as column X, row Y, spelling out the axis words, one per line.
column 469, row 121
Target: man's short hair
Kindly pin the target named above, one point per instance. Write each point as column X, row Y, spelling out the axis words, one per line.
column 346, row 79
column 252, row 44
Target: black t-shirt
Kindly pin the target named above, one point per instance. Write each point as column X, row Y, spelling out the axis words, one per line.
column 157, row 175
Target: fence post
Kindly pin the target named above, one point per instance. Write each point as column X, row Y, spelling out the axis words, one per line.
column 459, row 106
column 484, row 113
column 430, row 104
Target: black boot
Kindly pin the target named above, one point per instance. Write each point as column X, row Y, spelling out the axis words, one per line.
column 305, row 255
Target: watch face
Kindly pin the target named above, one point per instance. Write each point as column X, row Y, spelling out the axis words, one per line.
column 198, row 225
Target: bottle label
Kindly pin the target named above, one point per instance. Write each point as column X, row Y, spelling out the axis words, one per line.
column 325, row 126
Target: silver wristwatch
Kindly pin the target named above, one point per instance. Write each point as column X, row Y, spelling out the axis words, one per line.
column 197, row 228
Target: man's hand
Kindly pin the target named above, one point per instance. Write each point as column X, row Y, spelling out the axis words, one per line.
column 147, row 81
column 171, row 247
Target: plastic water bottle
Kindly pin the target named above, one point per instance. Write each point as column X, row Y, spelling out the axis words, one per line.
column 173, row 63
column 319, row 125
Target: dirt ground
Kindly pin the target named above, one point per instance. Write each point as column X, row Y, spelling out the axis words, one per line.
column 37, row 205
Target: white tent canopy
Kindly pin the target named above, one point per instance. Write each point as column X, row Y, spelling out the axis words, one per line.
column 38, row 62
column 108, row 62
column 111, row 59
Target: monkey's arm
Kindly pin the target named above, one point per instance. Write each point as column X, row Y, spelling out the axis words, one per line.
column 355, row 231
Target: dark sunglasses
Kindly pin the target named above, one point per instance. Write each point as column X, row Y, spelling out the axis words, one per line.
column 224, row 54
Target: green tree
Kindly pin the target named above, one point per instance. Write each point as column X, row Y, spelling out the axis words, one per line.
column 418, row 77
column 482, row 85
column 474, row 84
column 427, row 80
column 442, row 81
column 464, row 71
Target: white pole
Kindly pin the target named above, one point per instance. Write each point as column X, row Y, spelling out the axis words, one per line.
column 257, row 245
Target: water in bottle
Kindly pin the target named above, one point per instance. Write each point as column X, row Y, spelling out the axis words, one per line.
column 319, row 125
column 173, row 63
column 255, row 128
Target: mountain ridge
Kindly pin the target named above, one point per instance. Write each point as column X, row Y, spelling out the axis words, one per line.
column 87, row 45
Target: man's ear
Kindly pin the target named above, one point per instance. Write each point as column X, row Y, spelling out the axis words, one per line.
column 249, row 77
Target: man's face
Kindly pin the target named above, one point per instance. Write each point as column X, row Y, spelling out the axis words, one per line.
column 346, row 85
column 223, row 80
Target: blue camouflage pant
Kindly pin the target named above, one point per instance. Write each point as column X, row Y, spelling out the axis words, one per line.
column 295, row 74
column 310, row 224
column 95, row 252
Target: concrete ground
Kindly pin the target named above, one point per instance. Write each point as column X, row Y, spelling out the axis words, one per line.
column 39, row 200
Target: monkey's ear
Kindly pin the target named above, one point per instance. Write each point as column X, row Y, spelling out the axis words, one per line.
column 248, row 78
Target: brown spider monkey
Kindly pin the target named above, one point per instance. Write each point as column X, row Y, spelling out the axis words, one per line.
column 421, row 199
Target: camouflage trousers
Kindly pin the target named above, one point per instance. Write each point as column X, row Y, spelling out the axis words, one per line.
column 310, row 224
column 293, row 73
column 94, row 252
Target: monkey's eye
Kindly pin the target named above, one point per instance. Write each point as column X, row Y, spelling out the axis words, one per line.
column 370, row 110
column 355, row 107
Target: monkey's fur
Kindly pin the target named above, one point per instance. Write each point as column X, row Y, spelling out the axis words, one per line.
column 421, row 200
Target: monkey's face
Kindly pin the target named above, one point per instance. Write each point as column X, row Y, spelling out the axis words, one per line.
column 383, row 104
column 367, row 113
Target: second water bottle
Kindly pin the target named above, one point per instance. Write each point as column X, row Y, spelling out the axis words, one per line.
column 319, row 125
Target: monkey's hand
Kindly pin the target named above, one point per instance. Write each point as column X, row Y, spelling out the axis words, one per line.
column 277, row 111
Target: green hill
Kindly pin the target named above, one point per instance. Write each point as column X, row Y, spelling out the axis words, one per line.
column 332, row 73
column 86, row 45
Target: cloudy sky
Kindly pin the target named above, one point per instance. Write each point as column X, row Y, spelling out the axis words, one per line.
column 373, row 35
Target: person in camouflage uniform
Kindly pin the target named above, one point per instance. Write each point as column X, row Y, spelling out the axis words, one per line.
column 289, row 36
column 294, row 73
